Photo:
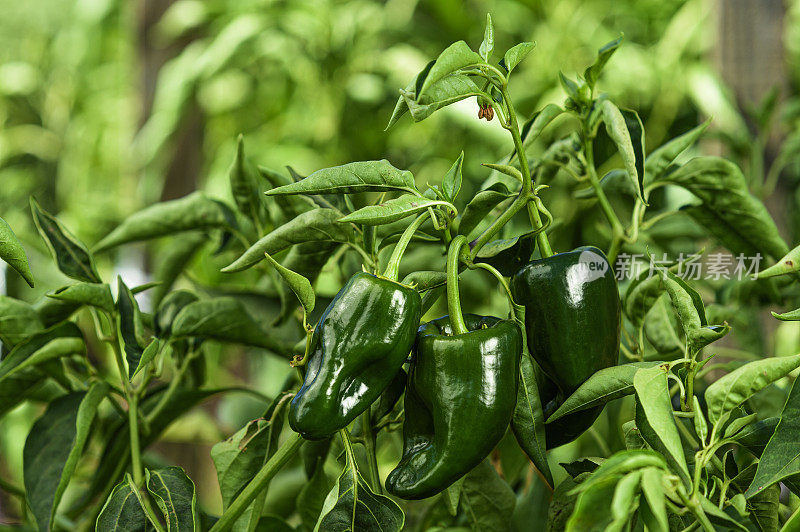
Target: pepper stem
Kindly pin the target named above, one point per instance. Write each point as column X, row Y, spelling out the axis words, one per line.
column 500, row 279
column 453, row 299
column 393, row 269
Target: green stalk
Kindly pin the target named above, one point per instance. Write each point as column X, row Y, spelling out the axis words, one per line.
column 453, row 299
column 527, row 186
column 617, row 230
column 393, row 269
column 264, row 475
column 369, row 446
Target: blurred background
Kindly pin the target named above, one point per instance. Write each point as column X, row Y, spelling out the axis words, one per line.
column 108, row 106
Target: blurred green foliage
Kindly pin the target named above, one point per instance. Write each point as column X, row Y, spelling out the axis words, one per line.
column 109, row 106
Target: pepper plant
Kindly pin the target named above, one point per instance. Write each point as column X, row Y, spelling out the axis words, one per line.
column 474, row 402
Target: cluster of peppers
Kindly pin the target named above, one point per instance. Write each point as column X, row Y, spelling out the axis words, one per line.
column 462, row 381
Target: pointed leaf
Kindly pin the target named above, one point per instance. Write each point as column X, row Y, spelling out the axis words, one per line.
column 793, row 315
column 790, row 263
column 176, row 497
column 451, row 183
column 736, row 387
column 12, row 252
column 299, row 285
column 53, row 447
column 455, row 57
column 193, row 212
column 123, row 509
column 653, row 396
column 148, row 355
column 392, row 210
column 224, row 319
column 663, row 156
column 72, row 257
column 92, row 294
column 516, row 54
column 602, row 387
column 130, row 325
column 351, row 505
column 617, row 127
column 317, row 225
column 781, row 457
column 350, row 178
column 528, row 420
column 487, row 46
column 592, row 73
column 243, row 184
column 18, row 320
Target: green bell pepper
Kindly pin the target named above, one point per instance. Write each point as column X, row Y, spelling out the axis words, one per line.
column 572, row 323
column 459, row 401
column 360, row 343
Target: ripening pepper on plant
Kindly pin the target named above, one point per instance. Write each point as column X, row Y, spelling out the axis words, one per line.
column 360, row 343
column 572, row 322
column 459, row 400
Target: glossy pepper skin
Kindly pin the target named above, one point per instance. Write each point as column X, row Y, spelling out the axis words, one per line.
column 572, row 323
column 459, row 401
column 361, row 341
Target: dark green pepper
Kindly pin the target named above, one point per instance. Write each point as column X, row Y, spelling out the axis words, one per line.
column 459, row 401
column 361, row 341
column 572, row 323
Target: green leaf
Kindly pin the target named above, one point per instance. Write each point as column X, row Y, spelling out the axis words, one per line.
column 53, row 350
column 148, row 355
column 176, row 497
column 349, row 178
column 445, row 92
column 793, row 315
column 619, row 127
column 92, row 294
column 317, row 225
column 652, row 393
column 738, row 424
column 486, row 499
column 602, row 387
column 722, row 188
column 18, row 320
column 516, row 54
column 480, row 205
column 505, row 169
column 312, row 496
column 451, row 183
column 700, row 423
column 12, row 252
column 570, row 87
column 130, row 326
column 508, row 255
column 790, row 263
column 288, row 206
column 689, row 308
column 592, row 73
column 625, row 499
column 641, row 295
column 717, row 516
column 765, row 508
column 659, row 159
column 171, row 263
column 425, row 280
column 653, row 491
column 793, row 523
column 660, row 330
column 592, row 510
column 24, row 350
column 614, row 182
column 534, row 127
column 754, row 437
column 299, row 285
column 455, row 57
column 392, row 210
column 72, row 257
column 123, row 510
column 351, row 505
column 243, row 185
column 452, row 496
column 528, row 419
column 227, row 320
column 780, row 458
column 620, row 463
column 193, row 212
column 487, row 46
column 53, row 447
column 736, row 387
